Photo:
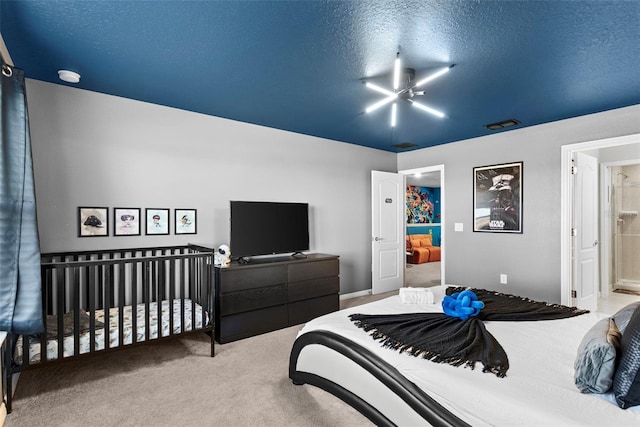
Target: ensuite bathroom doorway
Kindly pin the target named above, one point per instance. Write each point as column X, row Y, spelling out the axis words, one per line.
column 624, row 196
column 618, row 228
column 425, row 217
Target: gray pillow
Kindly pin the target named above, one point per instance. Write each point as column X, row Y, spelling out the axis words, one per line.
column 626, row 383
column 623, row 316
column 596, row 360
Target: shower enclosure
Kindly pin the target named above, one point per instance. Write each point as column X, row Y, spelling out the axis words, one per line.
column 625, row 205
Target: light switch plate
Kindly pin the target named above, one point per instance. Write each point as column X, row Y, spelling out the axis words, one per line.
column 458, row 226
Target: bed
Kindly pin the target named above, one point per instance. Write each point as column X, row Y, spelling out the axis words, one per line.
column 95, row 301
column 393, row 388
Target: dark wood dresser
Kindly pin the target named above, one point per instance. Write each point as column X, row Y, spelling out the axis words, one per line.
column 274, row 293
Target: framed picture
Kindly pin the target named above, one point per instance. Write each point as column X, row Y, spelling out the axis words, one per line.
column 497, row 198
column 185, row 221
column 157, row 221
column 127, row 221
column 93, row 222
column 423, row 205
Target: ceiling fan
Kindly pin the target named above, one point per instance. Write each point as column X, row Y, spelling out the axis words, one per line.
column 408, row 92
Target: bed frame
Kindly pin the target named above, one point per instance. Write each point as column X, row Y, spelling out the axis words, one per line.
column 416, row 400
column 144, row 278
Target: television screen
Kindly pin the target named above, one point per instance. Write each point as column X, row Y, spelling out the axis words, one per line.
column 264, row 228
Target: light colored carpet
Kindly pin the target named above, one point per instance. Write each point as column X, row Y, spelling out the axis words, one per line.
column 422, row 275
column 176, row 383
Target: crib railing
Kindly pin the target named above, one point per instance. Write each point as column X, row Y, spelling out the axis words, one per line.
column 76, row 286
column 88, row 281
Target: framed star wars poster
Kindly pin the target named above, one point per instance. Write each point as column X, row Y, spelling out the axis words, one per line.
column 497, row 198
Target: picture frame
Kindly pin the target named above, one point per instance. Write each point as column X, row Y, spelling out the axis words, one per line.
column 497, row 198
column 185, row 221
column 93, row 221
column 126, row 221
column 157, row 221
column 422, row 205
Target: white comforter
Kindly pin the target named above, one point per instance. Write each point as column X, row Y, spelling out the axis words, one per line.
column 537, row 391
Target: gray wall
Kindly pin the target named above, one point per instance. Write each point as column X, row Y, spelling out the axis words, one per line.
column 531, row 260
column 92, row 149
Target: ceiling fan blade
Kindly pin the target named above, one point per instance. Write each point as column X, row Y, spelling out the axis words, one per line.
column 433, row 76
column 427, row 109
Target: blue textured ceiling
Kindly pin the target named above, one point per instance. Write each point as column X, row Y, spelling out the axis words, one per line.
column 299, row 65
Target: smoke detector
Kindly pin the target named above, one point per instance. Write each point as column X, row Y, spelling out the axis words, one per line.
column 68, row 76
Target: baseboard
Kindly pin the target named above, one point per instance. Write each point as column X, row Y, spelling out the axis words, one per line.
column 364, row 293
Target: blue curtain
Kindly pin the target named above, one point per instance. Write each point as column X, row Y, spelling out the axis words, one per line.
column 20, row 293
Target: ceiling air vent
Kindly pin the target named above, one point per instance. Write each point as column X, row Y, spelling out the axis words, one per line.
column 404, row 145
column 503, row 124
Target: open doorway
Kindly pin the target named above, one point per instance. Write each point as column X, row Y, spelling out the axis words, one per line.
column 424, row 223
column 614, row 150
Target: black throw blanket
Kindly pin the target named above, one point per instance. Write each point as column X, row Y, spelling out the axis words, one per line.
column 445, row 339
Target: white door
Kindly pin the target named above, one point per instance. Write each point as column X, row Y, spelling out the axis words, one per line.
column 585, row 244
column 387, row 238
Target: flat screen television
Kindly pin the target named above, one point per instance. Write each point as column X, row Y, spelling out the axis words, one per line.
column 266, row 228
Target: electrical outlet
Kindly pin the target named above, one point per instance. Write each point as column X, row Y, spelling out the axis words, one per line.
column 503, row 279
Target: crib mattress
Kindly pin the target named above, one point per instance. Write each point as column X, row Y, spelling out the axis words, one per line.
column 192, row 321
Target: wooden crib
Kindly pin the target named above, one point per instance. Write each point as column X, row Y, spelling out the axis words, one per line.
column 108, row 299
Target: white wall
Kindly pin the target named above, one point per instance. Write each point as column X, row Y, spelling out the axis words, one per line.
column 91, row 149
column 619, row 153
column 531, row 260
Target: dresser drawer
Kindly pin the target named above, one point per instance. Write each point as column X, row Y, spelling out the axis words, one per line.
column 252, row 299
column 313, row 270
column 238, row 279
column 251, row 323
column 303, row 311
column 307, row 289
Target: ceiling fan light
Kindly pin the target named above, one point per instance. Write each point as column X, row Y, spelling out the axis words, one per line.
column 394, row 107
column 379, row 104
column 379, row 89
column 427, row 109
column 405, row 94
column 396, row 73
column 433, row 76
